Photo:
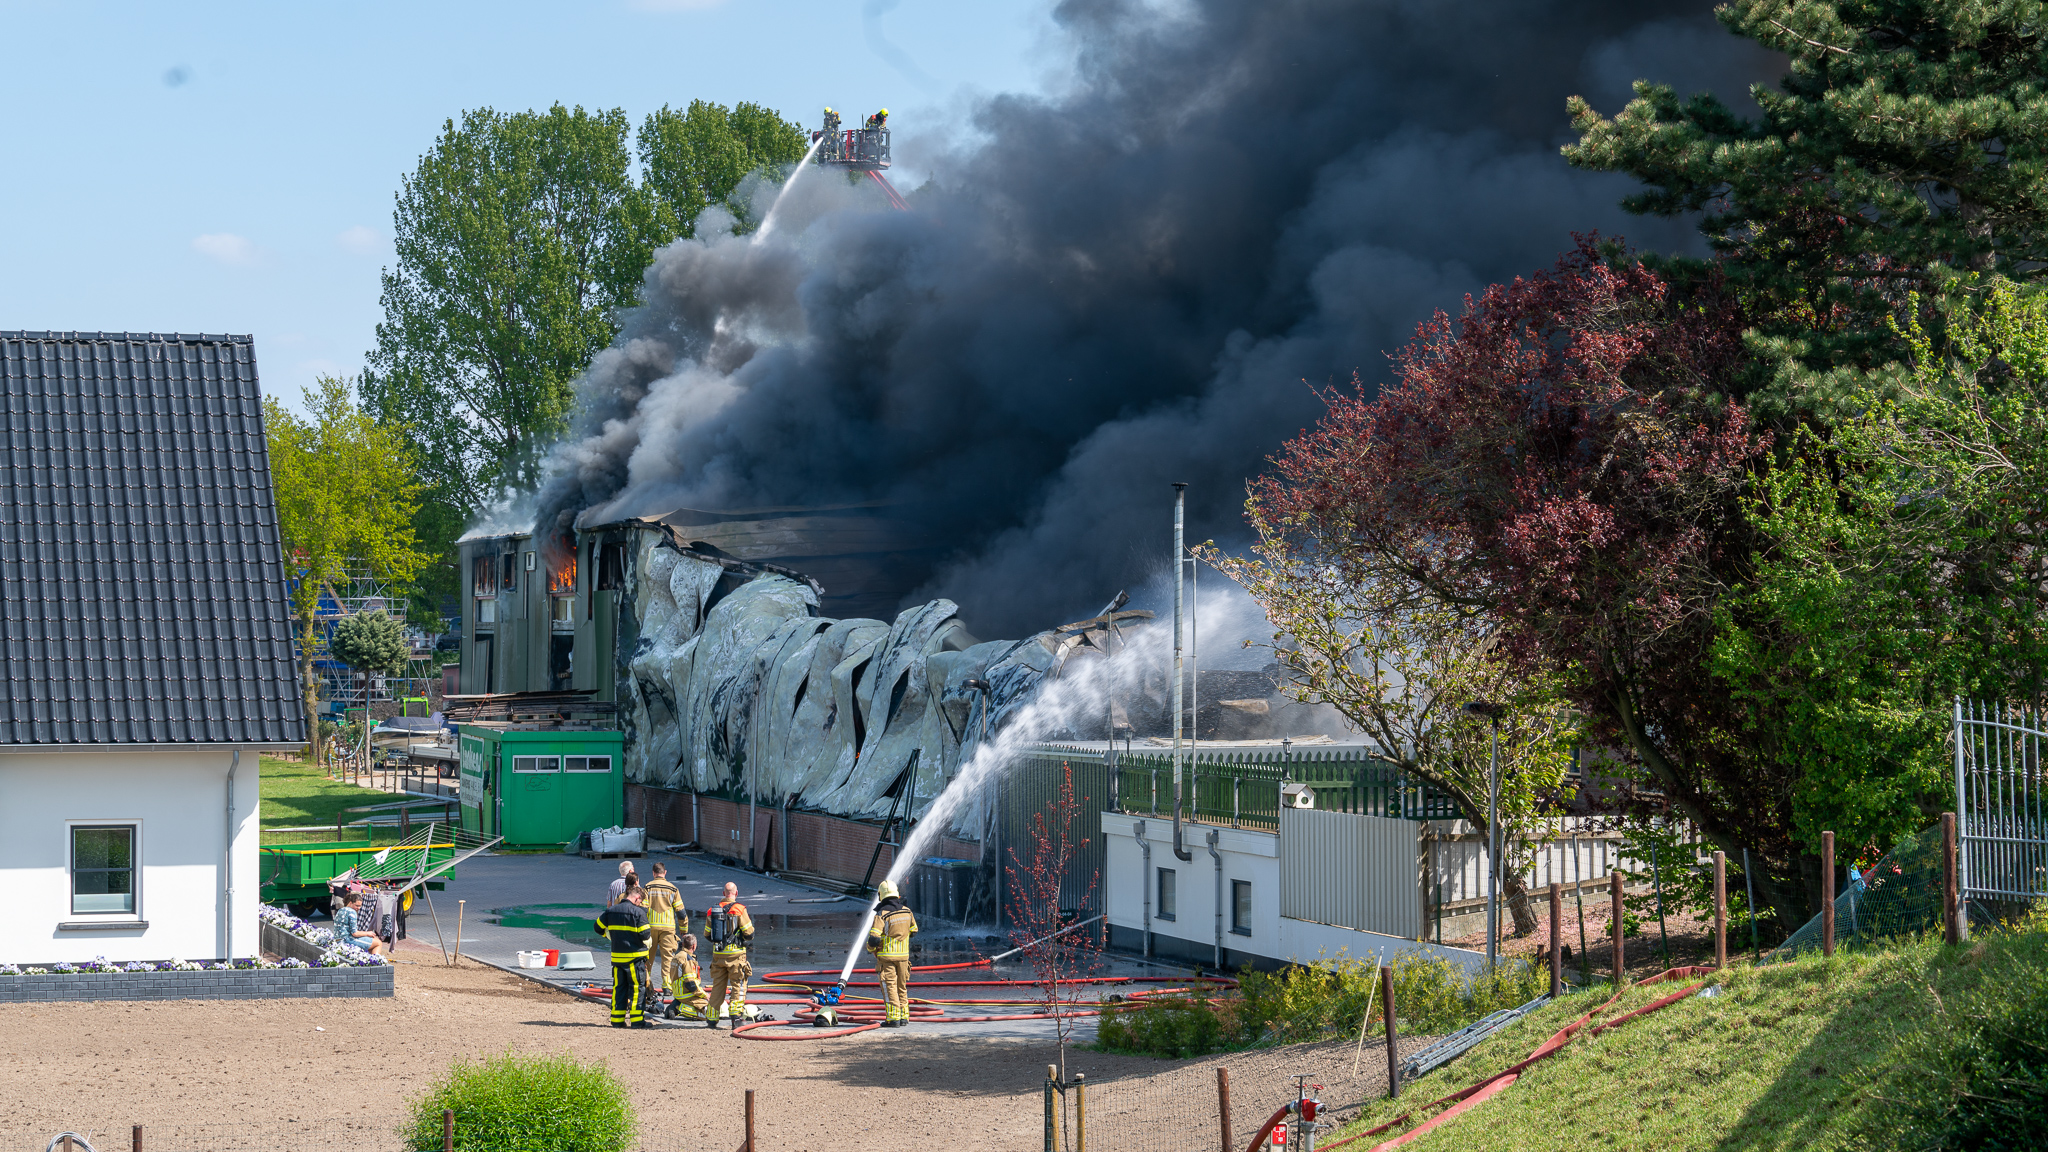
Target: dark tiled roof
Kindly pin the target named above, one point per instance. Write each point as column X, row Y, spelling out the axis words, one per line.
column 142, row 598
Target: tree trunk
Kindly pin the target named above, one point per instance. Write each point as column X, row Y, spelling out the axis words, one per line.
column 1518, row 904
column 309, row 691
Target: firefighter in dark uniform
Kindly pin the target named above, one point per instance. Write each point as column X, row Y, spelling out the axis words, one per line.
column 626, row 929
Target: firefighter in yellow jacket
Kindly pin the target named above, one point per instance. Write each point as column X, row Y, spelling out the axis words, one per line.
column 624, row 926
column 889, row 939
column 663, row 901
column 729, row 929
column 688, row 989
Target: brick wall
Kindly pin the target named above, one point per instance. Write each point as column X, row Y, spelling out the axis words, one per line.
column 239, row 984
column 820, row 844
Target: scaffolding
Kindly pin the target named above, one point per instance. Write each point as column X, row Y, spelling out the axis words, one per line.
column 344, row 692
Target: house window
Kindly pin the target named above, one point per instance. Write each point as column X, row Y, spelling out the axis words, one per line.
column 563, row 610
column 508, row 576
column 588, row 763
column 1168, row 890
column 487, row 611
column 484, row 576
column 1241, row 907
column 535, row 763
column 103, row 868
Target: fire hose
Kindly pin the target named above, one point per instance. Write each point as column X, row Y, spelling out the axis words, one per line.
column 1470, row 1098
column 864, row 1013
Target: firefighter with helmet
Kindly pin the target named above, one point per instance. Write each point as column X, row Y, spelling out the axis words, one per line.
column 879, row 119
column 889, row 939
column 625, row 928
column 729, row 929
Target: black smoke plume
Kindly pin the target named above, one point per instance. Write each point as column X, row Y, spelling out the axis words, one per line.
column 1131, row 281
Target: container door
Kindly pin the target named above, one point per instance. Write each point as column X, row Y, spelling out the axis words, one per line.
column 533, row 800
column 590, row 793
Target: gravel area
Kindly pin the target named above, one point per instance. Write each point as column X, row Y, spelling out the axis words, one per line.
column 301, row 1071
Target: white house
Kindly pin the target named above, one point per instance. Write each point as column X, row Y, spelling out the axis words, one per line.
column 146, row 644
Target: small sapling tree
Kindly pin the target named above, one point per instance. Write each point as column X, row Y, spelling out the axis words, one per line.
column 1043, row 902
column 369, row 642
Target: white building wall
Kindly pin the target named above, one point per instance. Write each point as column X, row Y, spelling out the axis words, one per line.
column 1247, row 854
column 178, row 797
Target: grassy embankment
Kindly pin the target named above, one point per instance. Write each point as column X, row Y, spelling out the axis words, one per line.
column 297, row 794
column 1920, row 1045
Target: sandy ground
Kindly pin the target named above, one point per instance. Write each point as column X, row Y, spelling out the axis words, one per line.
column 301, row 1070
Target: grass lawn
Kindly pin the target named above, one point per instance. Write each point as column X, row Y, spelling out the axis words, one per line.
column 297, row 793
column 1795, row 1055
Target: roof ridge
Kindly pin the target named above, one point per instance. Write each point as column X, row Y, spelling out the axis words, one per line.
column 79, row 336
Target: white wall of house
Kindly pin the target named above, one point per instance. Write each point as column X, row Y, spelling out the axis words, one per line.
column 186, row 852
column 1247, row 855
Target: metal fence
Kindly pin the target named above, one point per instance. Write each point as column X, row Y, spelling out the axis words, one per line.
column 2001, row 810
column 1242, row 787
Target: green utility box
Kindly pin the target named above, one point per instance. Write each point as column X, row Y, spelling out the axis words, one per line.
column 539, row 786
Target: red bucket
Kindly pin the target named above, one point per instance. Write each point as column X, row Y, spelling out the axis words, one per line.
column 554, row 957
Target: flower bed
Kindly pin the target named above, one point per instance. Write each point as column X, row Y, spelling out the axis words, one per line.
column 313, row 964
column 309, row 944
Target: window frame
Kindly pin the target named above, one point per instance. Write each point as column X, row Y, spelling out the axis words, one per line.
column 586, row 770
column 1166, row 894
column 134, row 829
column 1241, row 907
column 554, row 765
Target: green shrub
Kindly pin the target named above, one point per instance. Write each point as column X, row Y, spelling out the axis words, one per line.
column 1330, row 997
column 1315, row 1002
column 516, row 1102
column 1175, row 1026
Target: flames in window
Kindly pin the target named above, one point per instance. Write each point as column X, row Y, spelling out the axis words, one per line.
column 562, row 578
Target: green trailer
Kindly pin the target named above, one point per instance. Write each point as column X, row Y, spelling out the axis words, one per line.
column 295, row 876
column 540, row 786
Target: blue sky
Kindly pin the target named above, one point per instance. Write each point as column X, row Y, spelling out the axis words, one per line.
column 231, row 167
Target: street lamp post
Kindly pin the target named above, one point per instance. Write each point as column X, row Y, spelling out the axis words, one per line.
column 1491, row 711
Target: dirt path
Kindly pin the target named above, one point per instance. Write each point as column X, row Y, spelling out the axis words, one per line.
column 290, row 1068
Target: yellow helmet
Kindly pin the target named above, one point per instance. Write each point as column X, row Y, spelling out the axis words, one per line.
column 883, row 112
column 886, row 890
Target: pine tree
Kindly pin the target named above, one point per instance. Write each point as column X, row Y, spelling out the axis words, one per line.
column 1909, row 141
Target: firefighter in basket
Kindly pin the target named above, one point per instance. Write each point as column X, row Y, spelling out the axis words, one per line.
column 729, row 930
column 889, row 939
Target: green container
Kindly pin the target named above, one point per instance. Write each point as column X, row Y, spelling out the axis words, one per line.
column 537, row 787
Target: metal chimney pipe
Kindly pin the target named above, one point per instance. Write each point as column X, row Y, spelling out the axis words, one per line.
column 1180, row 500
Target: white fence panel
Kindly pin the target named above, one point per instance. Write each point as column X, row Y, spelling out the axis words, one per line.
column 1359, row 872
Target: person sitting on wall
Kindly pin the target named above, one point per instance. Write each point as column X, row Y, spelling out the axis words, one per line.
column 349, row 929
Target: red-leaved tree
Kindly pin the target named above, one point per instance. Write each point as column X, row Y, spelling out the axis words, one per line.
column 1043, row 905
column 1566, row 460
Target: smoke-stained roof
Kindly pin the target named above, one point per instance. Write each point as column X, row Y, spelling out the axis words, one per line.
column 142, row 596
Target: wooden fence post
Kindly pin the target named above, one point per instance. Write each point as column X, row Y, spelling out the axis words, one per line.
column 1052, row 1127
column 447, row 1130
column 1080, row 1112
column 1556, row 938
column 1827, row 893
column 1951, row 909
column 136, row 1138
column 1720, row 909
column 1223, row 1105
column 749, row 1145
column 1620, row 956
column 1393, row 1033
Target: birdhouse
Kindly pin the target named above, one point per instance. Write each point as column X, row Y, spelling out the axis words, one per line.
column 1297, row 796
